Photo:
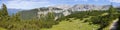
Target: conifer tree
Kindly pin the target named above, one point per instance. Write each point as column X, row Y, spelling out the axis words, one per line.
column 0, row 12
column 112, row 10
column 4, row 10
column 51, row 16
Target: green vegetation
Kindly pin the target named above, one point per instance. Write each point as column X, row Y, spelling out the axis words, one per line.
column 27, row 15
column 74, row 25
column 97, row 17
column 96, row 20
column 2, row 28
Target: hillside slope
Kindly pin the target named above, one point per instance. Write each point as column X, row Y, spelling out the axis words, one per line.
column 73, row 25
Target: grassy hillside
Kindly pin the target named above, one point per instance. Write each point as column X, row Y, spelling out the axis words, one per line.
column 74, row 24
column 2, row 28
column 87, row 21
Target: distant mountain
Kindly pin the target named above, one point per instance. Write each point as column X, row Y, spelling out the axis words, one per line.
column 88, row 7
column 13, row 11
column 63, row 6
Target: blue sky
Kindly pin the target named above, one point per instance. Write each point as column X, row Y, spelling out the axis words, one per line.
column 30, row 4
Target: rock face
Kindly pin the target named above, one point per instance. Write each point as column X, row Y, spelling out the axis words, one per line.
column 63, row 6
column 57, row 12
column 84, row 7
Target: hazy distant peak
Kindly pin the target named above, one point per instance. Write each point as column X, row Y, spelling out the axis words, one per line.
column 63, row 6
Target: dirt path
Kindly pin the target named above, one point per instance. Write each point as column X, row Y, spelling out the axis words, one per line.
column 114, row 25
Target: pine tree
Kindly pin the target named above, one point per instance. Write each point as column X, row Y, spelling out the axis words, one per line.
column 4, row 10
column 112, row 10
column 51, row 16
column 0, row 12
column 16, row 16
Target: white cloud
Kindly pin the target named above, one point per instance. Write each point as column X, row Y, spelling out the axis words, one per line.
column 116, row 1
column 27, row 4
